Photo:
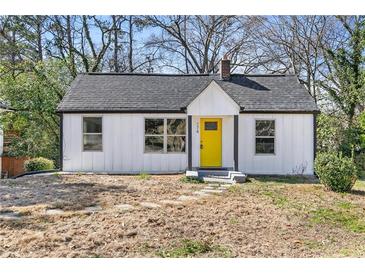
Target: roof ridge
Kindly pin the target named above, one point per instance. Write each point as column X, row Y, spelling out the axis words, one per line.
column 186, row 75
column 264, row 74
column 144, row 74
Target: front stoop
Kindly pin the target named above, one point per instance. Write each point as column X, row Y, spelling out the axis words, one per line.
column 218, row 176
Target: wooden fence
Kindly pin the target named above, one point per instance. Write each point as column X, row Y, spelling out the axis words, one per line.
column 12, row 166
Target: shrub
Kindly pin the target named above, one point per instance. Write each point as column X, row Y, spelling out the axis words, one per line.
column 337, row 173
column 144, row 176
column 191, row 180
column 193, row 248
column 40, row 163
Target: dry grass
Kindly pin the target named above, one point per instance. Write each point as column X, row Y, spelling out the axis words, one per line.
column 267, row 217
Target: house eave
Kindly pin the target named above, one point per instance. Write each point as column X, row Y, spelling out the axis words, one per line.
column 183, row 110
column 282, row 111
column 121, row 111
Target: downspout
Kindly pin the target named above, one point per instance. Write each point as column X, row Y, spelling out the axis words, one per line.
column 190, row 142
column 235, row 142
column 61, row 141
column 314, row 139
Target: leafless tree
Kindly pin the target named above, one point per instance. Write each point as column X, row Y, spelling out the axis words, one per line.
column 197, row 43
column 294, row 45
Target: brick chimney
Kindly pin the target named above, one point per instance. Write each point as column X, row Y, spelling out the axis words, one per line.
column 225, row 69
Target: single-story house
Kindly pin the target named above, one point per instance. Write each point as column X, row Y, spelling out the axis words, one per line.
column 165, row 123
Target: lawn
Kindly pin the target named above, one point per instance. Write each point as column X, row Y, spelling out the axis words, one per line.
column 265, row 217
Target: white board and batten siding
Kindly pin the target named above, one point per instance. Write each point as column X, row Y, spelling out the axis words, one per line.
column 294, row 145
column 123, row 146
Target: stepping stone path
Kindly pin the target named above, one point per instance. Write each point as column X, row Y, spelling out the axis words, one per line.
column 201, row 193
column 187, row 198
column 10, row 215
column 124, row 207
column 92, row 209
column 171, row 202
column 213, row 191
column 54, row 211
column 150, row 205
column 208, row 190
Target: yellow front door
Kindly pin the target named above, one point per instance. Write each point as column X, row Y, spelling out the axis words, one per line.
column 210, row 142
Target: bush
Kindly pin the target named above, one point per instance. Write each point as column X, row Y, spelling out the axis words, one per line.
column 191, row 180
column 337, row 173
column 39, row 163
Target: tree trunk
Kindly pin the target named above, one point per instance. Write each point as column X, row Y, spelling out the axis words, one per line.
column 130, row 52
column 70, row 46
column 115, row 56
column 39, row 26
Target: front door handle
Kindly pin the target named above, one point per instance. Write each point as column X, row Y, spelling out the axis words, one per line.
column 201, row 146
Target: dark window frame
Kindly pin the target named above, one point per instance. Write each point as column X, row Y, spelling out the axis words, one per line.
column 153, row 135
column 265, row 137
column 92, row 134
column 165, row 135
column 210, row 122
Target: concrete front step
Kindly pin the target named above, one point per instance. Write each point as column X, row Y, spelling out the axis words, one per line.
column 217, row 180
column 218, row 176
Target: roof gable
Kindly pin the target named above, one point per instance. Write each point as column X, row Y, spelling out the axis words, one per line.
column 213, row 100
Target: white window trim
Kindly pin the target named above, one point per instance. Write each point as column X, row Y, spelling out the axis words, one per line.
column 165, row 135
column 255, row 137
column 82, row 130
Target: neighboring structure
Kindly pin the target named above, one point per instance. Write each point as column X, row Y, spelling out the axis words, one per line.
column 9, row 166
column 3, row 108
column 160, row 123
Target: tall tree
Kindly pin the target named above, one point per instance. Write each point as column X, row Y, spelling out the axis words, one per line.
column 292, row 44
column 345, row 80
column 196, row 43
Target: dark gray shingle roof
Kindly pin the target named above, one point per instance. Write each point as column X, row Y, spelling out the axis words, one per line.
column 172, row 93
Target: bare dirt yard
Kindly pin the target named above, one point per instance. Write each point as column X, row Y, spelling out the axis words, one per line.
column 156, row 216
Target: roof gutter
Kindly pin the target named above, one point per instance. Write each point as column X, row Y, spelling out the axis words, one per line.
column 283, row 111
column 184, row 109
column 122, row 111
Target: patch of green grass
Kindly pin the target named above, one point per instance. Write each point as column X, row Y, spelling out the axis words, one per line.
column 193, row 248
column 57, row 174
column 233, row 221
column 237, row 189
column 277, row 198
column 96, row 255
column 340, row 218
column 293, row 179
column 353, row 251
column 359, row 185
column 345, row 205
column 191, row 180
column 144, row 176
column 313, row 244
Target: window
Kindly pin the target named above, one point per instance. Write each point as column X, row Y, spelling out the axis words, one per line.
column 154, row 135
column 265, row 136
column 210, row 126
column 176, row 135
column 165, row 135
column 92, row 134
